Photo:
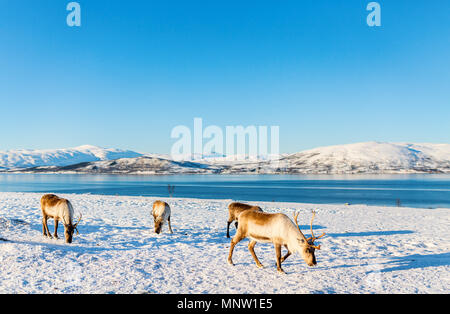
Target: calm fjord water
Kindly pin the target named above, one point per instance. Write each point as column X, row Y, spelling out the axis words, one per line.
column 388, row 190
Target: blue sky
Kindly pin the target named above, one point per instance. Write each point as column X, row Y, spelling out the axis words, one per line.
column 136, row 69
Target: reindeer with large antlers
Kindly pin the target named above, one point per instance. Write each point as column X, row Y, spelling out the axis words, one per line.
column 59, row 209
column 279, row 230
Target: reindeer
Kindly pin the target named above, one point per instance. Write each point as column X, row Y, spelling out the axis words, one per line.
column 59, row 209
column 234, row 210
column 279, row 230
column 161, row 212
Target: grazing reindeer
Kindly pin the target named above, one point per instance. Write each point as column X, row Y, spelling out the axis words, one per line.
column 61, row 210
column 234, row 210
column 161, row 212
column 279, row 230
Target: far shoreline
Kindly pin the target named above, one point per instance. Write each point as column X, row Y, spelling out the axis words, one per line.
column 168, row 199
column 393, row 190
column 376, row 175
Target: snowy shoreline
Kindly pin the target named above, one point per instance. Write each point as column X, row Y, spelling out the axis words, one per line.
column 368, row 249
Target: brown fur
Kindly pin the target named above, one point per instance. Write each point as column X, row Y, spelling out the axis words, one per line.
column 251, row 221
column 48, row 202
column 158, row 220
column 254, row 236
column 234, row 210
column 261, row 219
column 159, row 203
column 51, row 200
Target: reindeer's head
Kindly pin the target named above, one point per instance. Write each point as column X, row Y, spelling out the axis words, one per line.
column 308, row 248
column 158, row 224
column 69, row 229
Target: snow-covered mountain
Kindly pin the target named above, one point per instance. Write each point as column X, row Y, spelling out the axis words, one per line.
column 143, row 165
column 20, row 159
column 370, row 157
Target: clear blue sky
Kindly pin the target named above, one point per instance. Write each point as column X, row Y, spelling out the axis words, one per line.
column 136, row 69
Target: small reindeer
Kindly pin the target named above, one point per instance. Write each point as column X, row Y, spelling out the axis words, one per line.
column 279, row 230
column 234, row 210
column 59, row 209
column 161, row 213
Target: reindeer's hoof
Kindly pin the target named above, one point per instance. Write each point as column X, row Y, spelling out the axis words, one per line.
column 260, row 266
column 281, row 271
column 230, row 262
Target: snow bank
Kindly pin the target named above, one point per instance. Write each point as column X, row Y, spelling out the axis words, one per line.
column 367, row 250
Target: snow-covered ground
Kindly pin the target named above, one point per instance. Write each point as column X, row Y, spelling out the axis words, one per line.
column 368, row 249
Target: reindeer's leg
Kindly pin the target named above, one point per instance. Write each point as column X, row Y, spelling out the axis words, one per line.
column 287, row 255
column 278, row 254
column 56, row 229
column 251, row 248
column 44, row 231
column 170, row 226
column 236, row 224
column 237, row 238
column 228, row 228
column 47, row 233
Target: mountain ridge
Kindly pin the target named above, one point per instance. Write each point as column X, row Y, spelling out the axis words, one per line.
column 367, row 157
column 27, row 158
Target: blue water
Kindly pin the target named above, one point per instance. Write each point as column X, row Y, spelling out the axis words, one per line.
column 428, row 191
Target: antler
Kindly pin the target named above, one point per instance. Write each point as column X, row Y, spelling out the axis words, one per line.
column 296, row 222
column 313, row 238
column 75, row 226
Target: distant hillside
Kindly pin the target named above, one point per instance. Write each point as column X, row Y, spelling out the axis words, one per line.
column 144, row 165
column 371, row 158
column 20, row 159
